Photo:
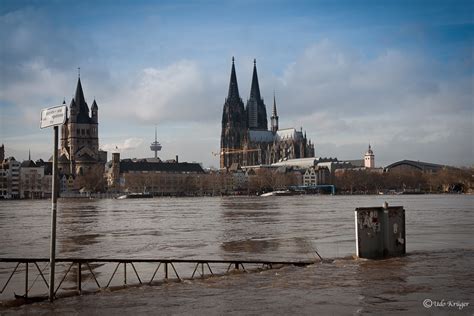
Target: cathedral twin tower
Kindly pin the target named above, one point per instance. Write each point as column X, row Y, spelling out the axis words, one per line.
column 245, row 138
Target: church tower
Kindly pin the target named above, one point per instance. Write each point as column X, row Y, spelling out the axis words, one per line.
column 369, row 158
column 79, row 153
column 234, row 125
column 274, row 118
column 256, row 110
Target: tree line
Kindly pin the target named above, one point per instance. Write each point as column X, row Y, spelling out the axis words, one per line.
column 367, row 182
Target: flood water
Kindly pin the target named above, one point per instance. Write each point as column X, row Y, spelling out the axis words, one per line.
column 439, row 236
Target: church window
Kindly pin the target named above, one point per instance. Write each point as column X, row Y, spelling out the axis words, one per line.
column 78, row 132
column 88, row 132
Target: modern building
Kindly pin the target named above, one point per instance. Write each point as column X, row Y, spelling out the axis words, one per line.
column 245, row 138
column 79, row 153
column 411, row 165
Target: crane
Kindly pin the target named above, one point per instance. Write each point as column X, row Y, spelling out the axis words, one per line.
column 227, row 151
column 234, row 151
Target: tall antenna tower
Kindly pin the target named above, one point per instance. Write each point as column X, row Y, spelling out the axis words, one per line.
column 155, row 146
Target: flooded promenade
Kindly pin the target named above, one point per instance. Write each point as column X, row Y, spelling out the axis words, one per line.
column 437, row 268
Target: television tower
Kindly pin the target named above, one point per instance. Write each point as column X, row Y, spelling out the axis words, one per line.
column 155, row 146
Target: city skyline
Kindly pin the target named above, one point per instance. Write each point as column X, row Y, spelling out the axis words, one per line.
column 397, row 75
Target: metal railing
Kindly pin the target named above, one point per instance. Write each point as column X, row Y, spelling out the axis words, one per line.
column 200, row 267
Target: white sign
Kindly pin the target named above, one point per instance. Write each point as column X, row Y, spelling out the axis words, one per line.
column 53, row 116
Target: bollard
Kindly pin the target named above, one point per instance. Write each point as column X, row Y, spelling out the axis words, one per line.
column 380, row 231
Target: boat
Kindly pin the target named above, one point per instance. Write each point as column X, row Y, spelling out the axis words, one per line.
column 135, row 196
column 281, row 193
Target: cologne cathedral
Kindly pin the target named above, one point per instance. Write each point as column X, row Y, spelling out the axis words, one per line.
column 246, row 139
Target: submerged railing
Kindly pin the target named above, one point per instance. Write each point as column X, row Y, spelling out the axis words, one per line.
column 200, row 268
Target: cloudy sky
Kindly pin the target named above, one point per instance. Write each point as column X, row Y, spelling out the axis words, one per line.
column 397, row 74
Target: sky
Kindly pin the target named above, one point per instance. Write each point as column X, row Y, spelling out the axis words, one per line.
column 395, row 74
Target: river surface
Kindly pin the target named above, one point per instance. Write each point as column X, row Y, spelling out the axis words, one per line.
column 438, row 267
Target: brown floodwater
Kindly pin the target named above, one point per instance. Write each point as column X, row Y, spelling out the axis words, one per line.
column 438, row 267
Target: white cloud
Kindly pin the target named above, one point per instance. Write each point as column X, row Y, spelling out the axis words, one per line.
column 180, row 92
column 409, row 106
column 127, row 145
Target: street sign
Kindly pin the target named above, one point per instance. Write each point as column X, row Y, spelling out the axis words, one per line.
column 53, row 116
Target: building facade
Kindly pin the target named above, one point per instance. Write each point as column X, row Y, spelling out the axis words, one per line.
column 316, row 176
column 152, row 176
column 31, row 180
column 10, row 178
column 79, row 153
column 245, row 137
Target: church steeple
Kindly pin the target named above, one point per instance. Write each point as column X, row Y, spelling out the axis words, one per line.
column 233, row 87
column 80, row 102
column 79, row 97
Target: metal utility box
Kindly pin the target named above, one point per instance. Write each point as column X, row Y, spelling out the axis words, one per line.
column 380, row 231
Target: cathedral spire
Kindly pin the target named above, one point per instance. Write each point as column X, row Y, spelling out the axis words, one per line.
column 274, row 111
column 255, row 89
column 274, row 118
column 233, row 87
column 256, row 111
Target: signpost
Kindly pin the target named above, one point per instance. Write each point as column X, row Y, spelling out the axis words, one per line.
column 53, row 116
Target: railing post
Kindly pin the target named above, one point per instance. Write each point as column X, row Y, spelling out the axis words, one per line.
column 79, row 278
column 166, row 270
column 125, row 273
column 26, row 279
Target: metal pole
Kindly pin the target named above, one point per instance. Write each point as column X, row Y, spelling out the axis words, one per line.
column 79, row 278
column 54, row 198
